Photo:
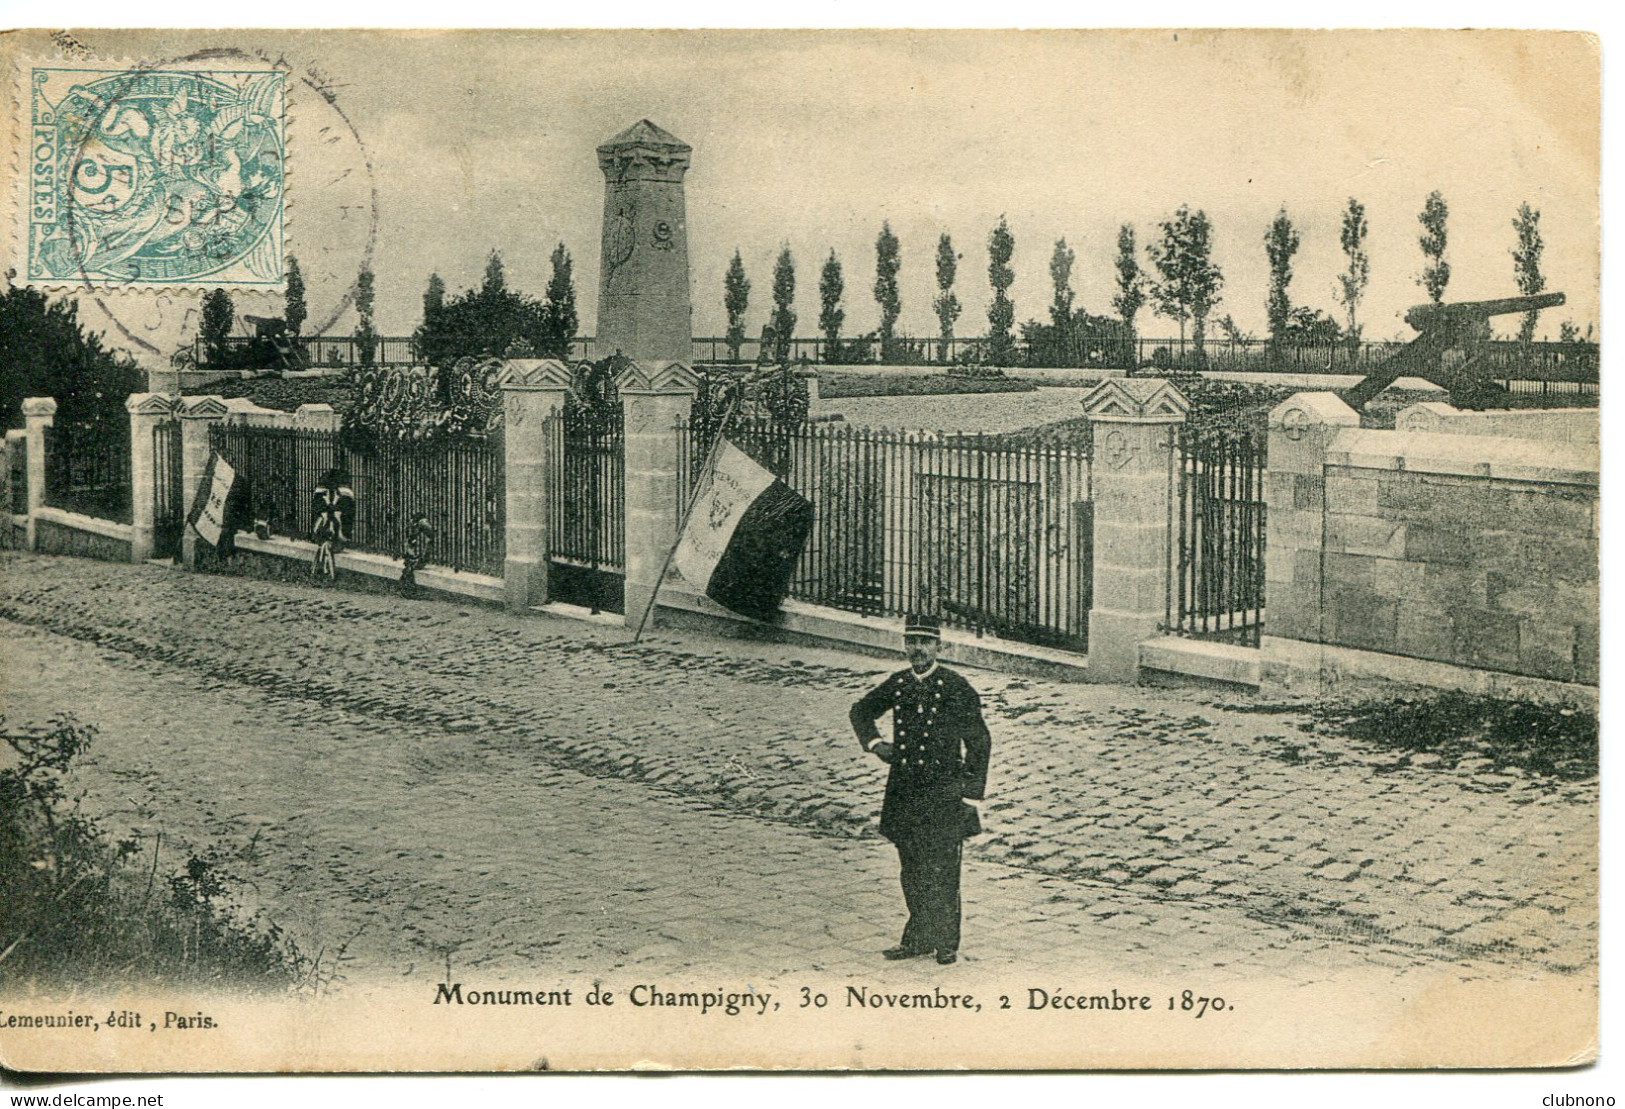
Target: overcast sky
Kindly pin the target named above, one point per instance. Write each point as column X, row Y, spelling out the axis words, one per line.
column 486, row 140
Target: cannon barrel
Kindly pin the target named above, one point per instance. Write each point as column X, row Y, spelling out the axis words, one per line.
column 1424, row 316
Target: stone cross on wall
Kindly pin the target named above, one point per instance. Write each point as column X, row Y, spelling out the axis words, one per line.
column 643, row 305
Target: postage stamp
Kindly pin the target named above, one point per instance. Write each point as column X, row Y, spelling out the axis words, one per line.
column 155, row 177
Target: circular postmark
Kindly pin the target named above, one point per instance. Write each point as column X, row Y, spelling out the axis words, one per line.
column 163, row 177
column 335, row 225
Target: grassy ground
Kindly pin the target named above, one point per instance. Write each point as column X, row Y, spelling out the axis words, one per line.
column 832, row 385
column 1214, row 404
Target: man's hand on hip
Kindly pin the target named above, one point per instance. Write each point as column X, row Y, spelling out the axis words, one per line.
column 883, row 751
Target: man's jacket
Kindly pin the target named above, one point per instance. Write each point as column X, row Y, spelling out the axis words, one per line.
column 940, row 749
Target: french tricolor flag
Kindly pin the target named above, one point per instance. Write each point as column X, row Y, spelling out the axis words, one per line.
column 744, row 533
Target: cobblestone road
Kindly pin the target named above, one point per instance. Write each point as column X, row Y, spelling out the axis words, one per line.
column 499, row 791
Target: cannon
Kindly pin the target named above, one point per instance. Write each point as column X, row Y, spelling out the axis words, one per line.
column 274, row 331
column 266, row 327
column 1463, row 326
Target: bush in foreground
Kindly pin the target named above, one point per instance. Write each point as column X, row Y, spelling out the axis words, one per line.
column 77, row 909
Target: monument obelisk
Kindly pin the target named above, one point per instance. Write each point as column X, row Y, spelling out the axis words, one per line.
column 643, row 308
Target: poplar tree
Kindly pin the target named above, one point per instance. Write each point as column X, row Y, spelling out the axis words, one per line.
column 366, row 338
column 1001, row 314
column 1526, row 263
column 946, row 305
column 1280, row 244
column 831, row 287
column 888, row 260
column 559, row 316
column 1130, row 296
column 218, row 316
column 294, row 311
column 784, row 299
column 1436, row 274
column 736, row 299
column 434, row 299
column 1352, row 281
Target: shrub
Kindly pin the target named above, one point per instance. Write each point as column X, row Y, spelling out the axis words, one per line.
column 850, row 352
column 77, row 908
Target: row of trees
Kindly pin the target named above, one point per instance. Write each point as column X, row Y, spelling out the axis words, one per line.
column 496, row 320
column 1182, row 284
column 489, row 320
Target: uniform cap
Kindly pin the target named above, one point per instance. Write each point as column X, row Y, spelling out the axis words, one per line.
column 918, row 624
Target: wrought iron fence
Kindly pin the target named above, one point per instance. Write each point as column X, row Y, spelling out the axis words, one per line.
column 588, row 504
column 87, row 467
column 1217, row 585
column 1572, row 363
column 1506, row 359
column 168, row 490
column 1263, row 356
column 1550, row 388
column 986, row 535
column 455, row 485
column 19, row 479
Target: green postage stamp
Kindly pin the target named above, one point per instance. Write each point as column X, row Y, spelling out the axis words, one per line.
column 154, row 176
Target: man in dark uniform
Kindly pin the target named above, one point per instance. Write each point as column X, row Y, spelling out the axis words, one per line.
column 938, row 757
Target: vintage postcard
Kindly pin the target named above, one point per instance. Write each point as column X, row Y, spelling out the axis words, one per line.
column 820, row 550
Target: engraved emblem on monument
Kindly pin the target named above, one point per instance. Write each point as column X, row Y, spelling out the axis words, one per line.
column 1118, row 450
column 618, row 240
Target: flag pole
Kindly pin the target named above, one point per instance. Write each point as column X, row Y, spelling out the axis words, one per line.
column 688, row 509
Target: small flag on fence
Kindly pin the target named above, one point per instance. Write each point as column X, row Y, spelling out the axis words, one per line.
column 212, row 509
column 744, row 534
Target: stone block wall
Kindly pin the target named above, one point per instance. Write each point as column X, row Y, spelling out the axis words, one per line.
column 1483, row 572
column 55, row 536
column 1477, row 551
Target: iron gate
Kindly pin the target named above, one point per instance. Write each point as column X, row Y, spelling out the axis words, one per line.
column 587, row 556
column 988, row 534
column 169, row 511
column 1217, row 588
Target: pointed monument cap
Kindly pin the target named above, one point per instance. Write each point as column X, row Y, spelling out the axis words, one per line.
column 645, row 133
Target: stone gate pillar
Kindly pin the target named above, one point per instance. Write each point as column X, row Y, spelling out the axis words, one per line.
column 655, row 397
column 198, row 415
column 533, row 392
column 1301, row 428
column 643, row 307
column 147, row 411
column 39, row 413
column 1133, row 422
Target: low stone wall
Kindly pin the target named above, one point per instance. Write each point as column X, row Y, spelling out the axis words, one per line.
column 1472, row 550
column 877, row 636
column 68, row 533
column 291, row 560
